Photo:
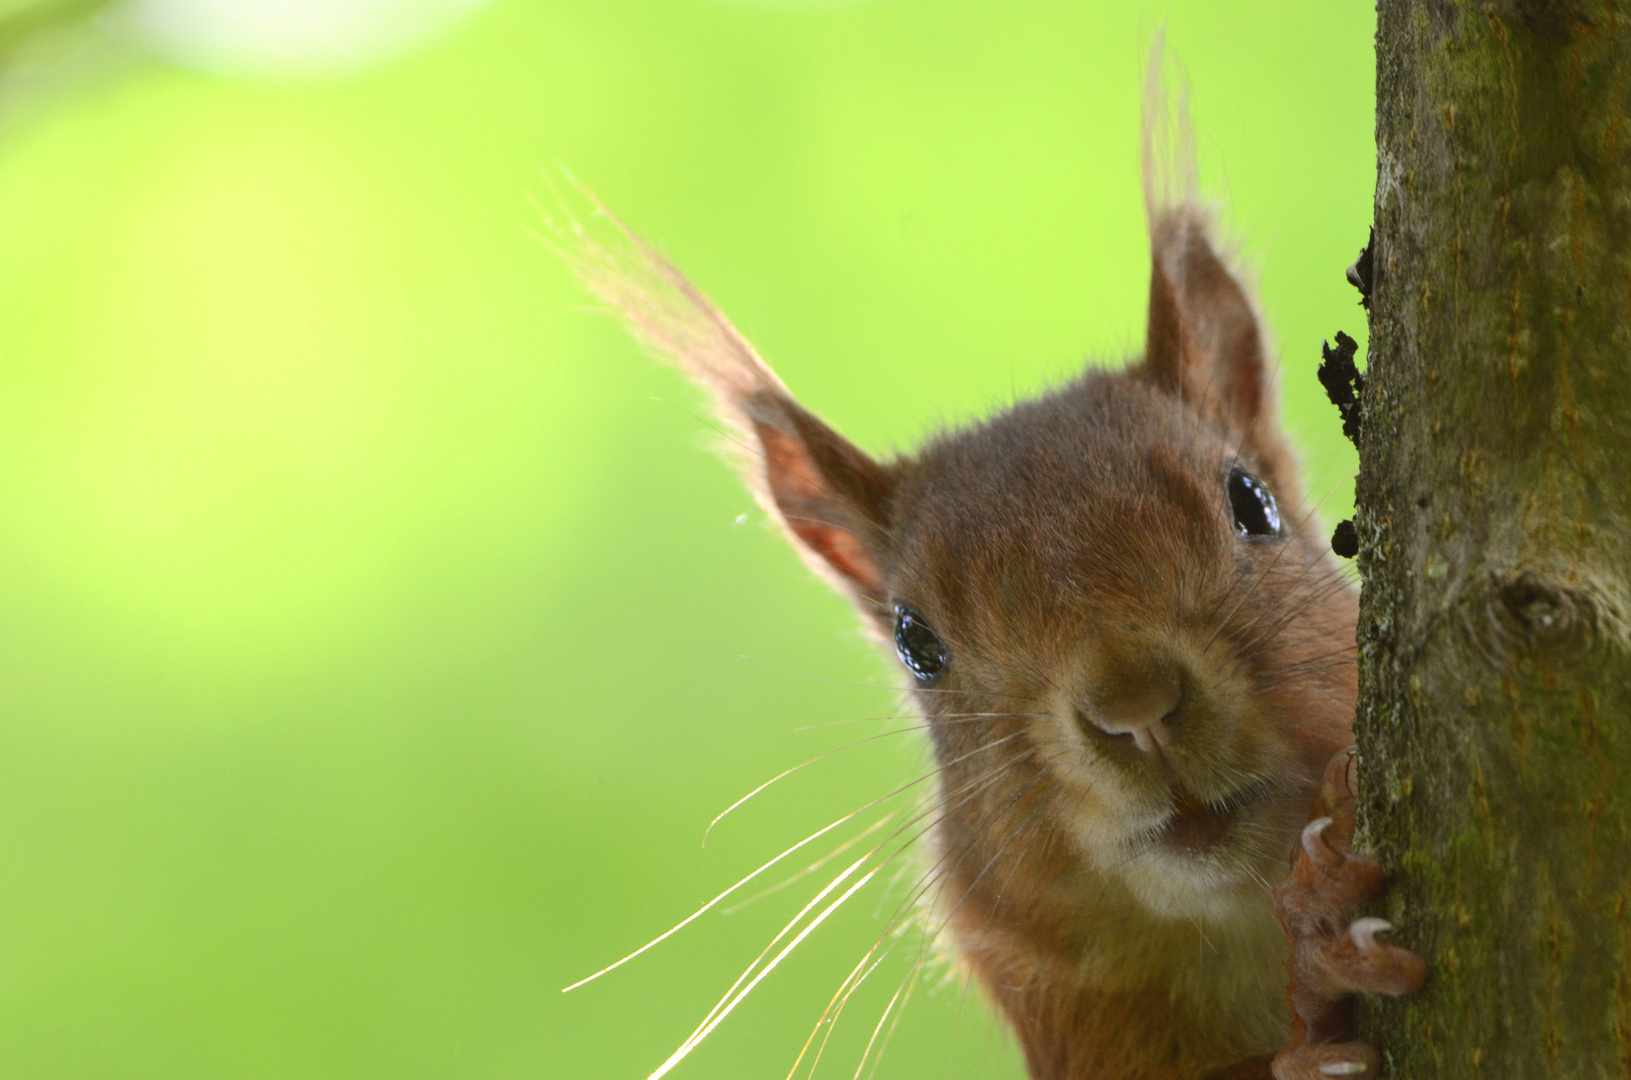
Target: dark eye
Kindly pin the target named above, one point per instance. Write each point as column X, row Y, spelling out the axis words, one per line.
column 919, row 648
column 1253, row 505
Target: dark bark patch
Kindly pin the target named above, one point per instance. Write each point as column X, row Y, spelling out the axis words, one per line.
column 1342, row 381
column 1531, row 613
column 1345, row 541
column 1361, row 275
column 1554, row 22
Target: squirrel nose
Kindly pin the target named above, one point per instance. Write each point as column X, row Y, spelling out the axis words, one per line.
column 1145, row 714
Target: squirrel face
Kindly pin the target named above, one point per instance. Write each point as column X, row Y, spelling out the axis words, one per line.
column 1114, row 581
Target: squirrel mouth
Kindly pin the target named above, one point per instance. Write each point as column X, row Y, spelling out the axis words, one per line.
column 1196, row 825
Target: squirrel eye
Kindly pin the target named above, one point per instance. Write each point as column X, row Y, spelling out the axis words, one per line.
column 1253, row 505
column 919, row 648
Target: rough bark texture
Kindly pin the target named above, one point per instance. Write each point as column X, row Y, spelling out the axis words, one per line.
column 1495, row 697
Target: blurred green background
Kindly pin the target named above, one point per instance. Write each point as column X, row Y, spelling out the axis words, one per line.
column 377, row 640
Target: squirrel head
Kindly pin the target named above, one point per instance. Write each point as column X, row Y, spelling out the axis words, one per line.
column 1111, row 603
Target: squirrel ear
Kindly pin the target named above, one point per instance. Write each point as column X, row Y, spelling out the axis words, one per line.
column 1203, row 342
column 830, row 497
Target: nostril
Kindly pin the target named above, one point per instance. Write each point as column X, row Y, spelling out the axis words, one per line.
column 1146, row 719
column 1093, row 730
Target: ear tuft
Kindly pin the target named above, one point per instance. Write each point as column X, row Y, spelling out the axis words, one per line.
column 831, row 498
column 664, row 311
column 1203, row 343
column 1167, row 140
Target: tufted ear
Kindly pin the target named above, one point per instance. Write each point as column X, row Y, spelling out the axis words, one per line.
column 829, row 496
column 1203, row 342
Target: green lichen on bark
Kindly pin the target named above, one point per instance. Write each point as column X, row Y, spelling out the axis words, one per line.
column 1493, row 500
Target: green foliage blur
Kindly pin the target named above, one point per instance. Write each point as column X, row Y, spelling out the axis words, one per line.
column 377, row 637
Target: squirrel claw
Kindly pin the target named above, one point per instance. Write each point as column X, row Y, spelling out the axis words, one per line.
column 1314, row 842
column 1334, row 957
column 1364, row 931
column 1355, row 1061
column 1356, row 962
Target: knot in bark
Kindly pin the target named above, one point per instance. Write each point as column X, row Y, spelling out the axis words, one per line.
column 1532, row 612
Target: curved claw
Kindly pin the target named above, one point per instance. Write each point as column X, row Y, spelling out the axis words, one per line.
column 1317, row 1061
column 1364, row 931
column 1359, row 962
column 1316, row 847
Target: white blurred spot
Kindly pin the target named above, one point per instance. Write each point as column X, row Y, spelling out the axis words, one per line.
column 290, row 37
column 791, row 5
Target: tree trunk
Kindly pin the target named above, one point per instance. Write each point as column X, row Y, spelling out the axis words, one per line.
column 1494, row 718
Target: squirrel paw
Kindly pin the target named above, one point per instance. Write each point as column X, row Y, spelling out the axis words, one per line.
column 1334, row 958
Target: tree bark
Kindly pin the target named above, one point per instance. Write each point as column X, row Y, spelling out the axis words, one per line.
column 1494, row 720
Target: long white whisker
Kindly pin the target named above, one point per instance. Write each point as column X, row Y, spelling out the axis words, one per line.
column 679, row 1055
column 699, row 912
column 856, row 977
column 783, row 932
column 813, row 867
column 968, row 791
column 677, row 927
column 878, row 1028
column 788, row 772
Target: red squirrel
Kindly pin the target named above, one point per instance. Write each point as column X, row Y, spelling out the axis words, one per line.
column 1121, row 584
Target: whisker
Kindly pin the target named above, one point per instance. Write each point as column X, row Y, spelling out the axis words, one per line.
column 938, row 718
column 1341, row 633
column 728, row 1003
column 690, row 1044
column 892, row 688
column 998, row 853
column 996, row 909
column 877, row 1029
column 789, row 772
column 911, row 988
column 766, row 866
column 929, row 880
column 910, row 981
column 1299, row 600
column 813, row 867
column 1284, row 547
column 982, row 780
column 1312, row 666
column 842, row 995
column 783, row 932
column 856, row 977
column 1316, row 593
column 908, row 845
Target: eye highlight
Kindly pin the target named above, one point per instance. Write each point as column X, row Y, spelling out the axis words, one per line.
column 920, row 649
column 1253, row 505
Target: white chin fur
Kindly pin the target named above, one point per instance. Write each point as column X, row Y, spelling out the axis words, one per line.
column 1214, row 886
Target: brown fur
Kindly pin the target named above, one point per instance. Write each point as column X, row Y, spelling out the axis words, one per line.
column 1077, row 556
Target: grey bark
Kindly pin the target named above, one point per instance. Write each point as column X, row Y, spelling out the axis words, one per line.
column 1494, row 720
